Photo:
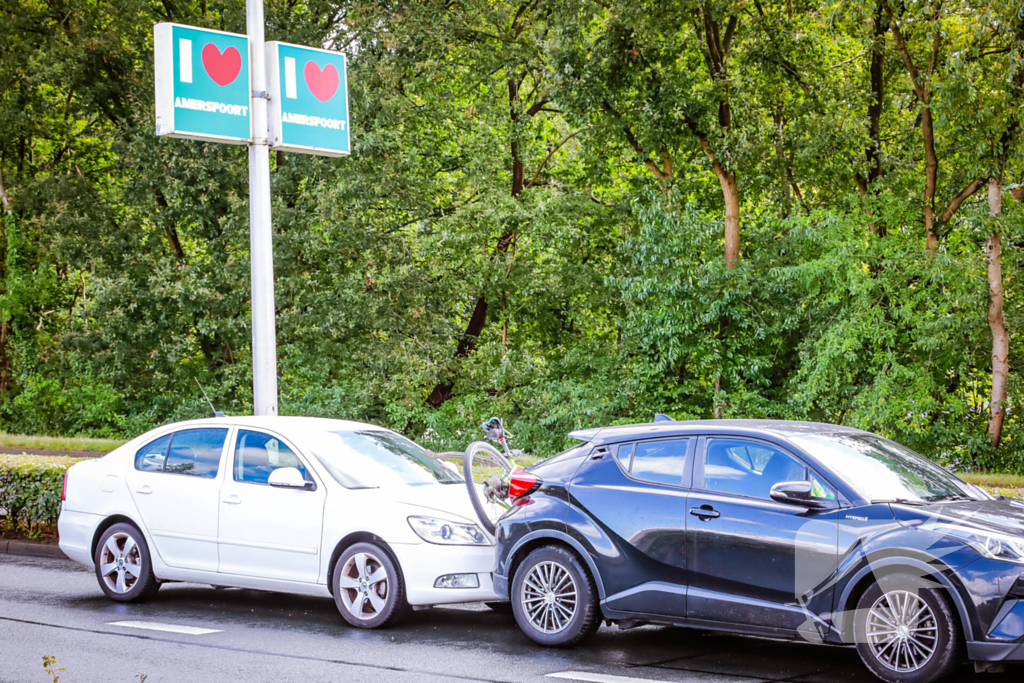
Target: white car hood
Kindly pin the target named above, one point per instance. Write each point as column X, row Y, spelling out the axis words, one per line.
column 449, row 500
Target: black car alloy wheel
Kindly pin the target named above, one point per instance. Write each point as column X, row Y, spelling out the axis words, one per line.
column 553, row 598
column 908, row 632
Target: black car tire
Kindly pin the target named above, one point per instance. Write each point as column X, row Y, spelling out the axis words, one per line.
column 585, row 618
column 124, row 576
column 351, row 598
column 947, row 656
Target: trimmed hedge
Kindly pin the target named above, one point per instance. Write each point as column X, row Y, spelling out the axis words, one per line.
column 30, row 489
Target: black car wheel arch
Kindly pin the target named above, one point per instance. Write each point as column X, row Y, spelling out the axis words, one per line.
column 877, row 569
column 538, row 539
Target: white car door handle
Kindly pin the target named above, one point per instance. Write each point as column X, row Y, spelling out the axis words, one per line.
column 232, row 500
column 144, row 490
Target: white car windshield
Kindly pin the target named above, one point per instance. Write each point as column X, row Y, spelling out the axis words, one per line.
column 371, row 458
column 879, row 469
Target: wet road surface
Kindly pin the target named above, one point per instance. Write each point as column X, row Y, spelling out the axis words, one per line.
column 54, row 607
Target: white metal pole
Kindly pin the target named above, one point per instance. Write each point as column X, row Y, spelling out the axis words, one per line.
column 261, row 247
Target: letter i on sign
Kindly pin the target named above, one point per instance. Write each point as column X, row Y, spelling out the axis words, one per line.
column 289, row 78
column 185, row 60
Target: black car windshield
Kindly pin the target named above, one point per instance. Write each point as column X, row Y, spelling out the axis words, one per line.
column 879, row 469
column 372, row 458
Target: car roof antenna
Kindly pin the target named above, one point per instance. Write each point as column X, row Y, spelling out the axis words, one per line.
column 659, row 417
column 216, row 413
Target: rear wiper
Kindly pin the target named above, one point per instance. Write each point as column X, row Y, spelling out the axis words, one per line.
column 901, row 501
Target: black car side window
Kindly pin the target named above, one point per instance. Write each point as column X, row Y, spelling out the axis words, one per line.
column 623, row 454
column 750, row 468
column 660, row 462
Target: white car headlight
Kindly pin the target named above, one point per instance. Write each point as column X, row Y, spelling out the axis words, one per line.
column 989, row 543
column 445, row 532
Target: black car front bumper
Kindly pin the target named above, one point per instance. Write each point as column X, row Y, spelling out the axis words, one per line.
column 500, row 585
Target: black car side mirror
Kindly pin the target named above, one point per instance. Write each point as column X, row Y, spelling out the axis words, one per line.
column 798, row 493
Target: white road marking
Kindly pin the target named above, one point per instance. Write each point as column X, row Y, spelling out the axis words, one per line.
column 170, row 628
column 601, row 678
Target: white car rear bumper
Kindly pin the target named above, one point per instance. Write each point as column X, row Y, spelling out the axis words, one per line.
column 422, row 564
column 76, row 530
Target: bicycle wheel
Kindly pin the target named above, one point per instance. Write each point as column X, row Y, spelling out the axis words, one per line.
column 486, row 471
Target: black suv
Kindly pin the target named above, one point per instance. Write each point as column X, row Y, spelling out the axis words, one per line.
column 772, row 528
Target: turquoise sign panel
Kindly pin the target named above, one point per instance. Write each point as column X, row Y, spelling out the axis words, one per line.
column 202, row 83
column 308, row 99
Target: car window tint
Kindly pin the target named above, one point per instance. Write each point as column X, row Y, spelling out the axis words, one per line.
column 196, row 452
column 151, row 457
column 661, row 462
column 624, row 450
column 258, row 454
column 746, row 468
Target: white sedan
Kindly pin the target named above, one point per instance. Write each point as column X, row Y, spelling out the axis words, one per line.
column 289, row 504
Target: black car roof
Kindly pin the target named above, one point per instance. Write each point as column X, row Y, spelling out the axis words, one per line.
column 781, row 428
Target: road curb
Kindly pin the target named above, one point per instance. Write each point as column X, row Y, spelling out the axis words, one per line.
column 31, row 549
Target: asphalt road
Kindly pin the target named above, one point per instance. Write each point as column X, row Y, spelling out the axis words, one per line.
column 54, row 607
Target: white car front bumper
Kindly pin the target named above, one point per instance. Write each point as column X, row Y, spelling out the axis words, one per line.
column 422, row 563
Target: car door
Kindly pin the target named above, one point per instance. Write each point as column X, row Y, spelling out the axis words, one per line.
column 266, row 531
column 174, row 482
column 637, row 492
column 754, row 561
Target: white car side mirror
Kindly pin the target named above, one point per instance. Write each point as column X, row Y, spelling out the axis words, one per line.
column 288, row 478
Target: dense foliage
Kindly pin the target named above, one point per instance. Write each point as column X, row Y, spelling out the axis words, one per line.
column 566, row 212
column 30, row 491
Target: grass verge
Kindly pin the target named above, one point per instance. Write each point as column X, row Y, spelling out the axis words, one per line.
column 1015, row 481
column 16, row 443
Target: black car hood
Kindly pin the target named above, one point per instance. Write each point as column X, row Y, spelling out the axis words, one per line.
column 1000, row 516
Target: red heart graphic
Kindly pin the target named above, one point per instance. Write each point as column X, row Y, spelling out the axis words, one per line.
column 323, row 84
column 222, row 67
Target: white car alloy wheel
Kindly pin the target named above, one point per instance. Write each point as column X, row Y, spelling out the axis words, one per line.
column 120, row 564
column 902, row 631
column 365, row 586
column 549, row 597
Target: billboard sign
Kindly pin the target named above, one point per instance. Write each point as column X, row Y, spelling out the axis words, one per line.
column 202, row 84
column 308, row 108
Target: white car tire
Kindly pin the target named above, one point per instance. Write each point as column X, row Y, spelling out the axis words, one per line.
column 368, row 587
column 123, row 565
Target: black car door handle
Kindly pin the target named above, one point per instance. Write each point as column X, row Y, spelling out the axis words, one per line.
column 705, row 512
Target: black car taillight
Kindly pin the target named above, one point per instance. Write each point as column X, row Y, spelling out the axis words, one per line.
column 522, row 484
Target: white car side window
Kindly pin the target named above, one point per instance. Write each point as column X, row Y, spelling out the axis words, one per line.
column 258, row 454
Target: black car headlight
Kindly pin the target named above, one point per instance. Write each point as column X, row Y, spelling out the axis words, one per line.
column 445, row 532
column 991, row 544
